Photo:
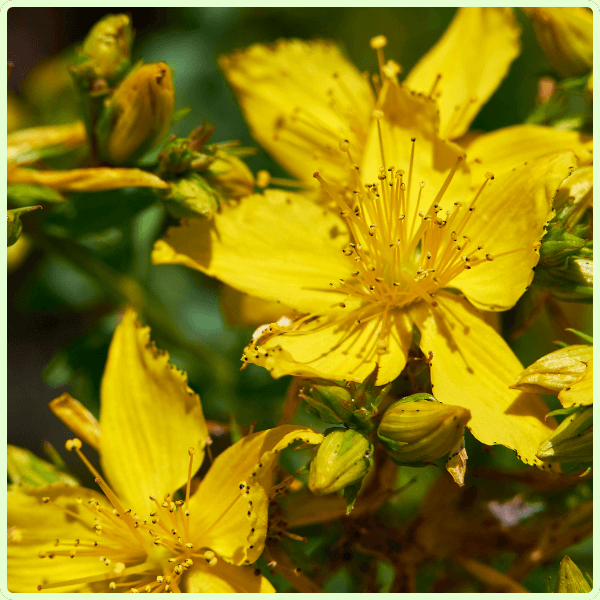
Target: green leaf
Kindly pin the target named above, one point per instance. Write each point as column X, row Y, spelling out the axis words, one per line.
column 24, row 195
column 24, row 467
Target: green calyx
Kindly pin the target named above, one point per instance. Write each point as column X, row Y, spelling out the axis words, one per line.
column 572, row 440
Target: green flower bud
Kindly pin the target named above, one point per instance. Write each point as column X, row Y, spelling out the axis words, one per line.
column 332, row 402
column 15, row 226
column 571, row 441
column 555, row 371
column 138, row 115
column 186, row 154
column 342, row 460
column 108, row 46
column 420, row 429
column 191, row 197
column 565, row 35
column 566, row 265
column 570, row 579
column 230, row 176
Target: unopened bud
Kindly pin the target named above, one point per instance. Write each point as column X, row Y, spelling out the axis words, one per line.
column 191, row 197
column 230, row 176
column 14, row 224
column 580, row 393
column 108, row 46
column 330, row 401
column 555, row 371
column 570, row 579
column 565, row 35
column 138, row 114
column 343, row 459
column 421, row 429
column 571, row 441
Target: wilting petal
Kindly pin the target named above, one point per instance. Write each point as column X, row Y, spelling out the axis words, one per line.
column 34, row 526
column 300, row 99
column 77, row 418
column 473, row 367
column 407, row 115
column 472, row 57
column 86, row 180
column 278, row 246
column 504, row 149
column 336, row 348
column 582, row 391
column 228, row 512
column 226, row 578
column 149, row 417
column 510, row 215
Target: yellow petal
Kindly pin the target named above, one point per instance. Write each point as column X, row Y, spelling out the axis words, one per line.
column 472, row 57
column 77, row 418
column 300, row 99
column 149, row 418
column 473, row 367
column 555, row 371
column 228, row 512
column 243, row 310
column 21, row 143
column 86, row 180
column 510, row 215
column 581, row 392
column 336, row 348
column 501, row 150
column 278, row 246
column 33, row 527
column 226, row 578
column 407, row 115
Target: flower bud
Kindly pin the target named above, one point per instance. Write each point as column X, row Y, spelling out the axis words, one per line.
column 108, row 46
column 421, row 430
column 191, row 197
column 571, row 441
column 138, row 115
column 230, row 176
column 14, row 224
column 570, row 579
column 330, row 401
column 343, row 459
column 555, row 371
column 565, row 35
column 580, row 393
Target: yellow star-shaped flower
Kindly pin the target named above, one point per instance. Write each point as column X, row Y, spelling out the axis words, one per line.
column 138, row 536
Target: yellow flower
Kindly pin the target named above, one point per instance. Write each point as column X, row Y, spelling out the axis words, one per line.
column 419, row 236
column 140, row 536
column 566, row 36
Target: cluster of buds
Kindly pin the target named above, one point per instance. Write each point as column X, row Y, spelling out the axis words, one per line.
column 202, row 175
column 566, row 254
column 127, row 110
column 345, row 403
column 568, row 373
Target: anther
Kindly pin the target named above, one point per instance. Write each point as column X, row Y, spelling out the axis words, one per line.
column 74, row 444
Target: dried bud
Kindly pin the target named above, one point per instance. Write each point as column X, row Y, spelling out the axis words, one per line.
column 138, row 114
column 191, row 197
column 108, row 46
column 555, row 371
column 571, row 441
column 342, row 460
column 565, row 35
column 418, row 428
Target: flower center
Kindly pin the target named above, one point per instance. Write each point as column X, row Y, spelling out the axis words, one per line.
column 140, row 555
column 399, row 258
